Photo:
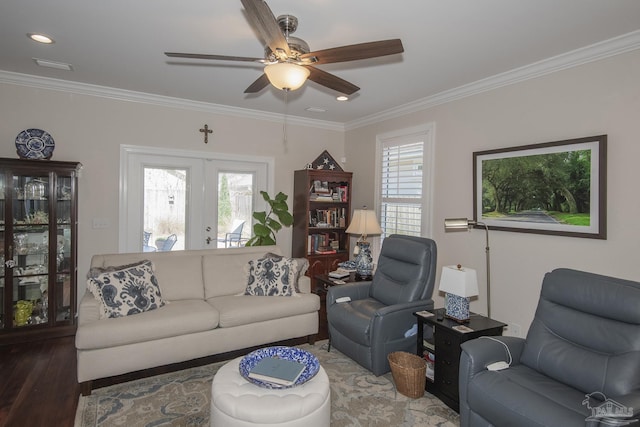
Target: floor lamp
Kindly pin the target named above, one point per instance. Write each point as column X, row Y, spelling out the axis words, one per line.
column 462, row 224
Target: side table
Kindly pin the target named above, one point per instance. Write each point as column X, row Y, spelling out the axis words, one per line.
column 446, row 348
column 323, row 283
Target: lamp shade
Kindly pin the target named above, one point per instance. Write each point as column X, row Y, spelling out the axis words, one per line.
column 458, row 280
column 286, row 76
column 456, row 224
column 364, row 223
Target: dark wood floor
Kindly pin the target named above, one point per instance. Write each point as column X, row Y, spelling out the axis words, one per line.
column 38, row 385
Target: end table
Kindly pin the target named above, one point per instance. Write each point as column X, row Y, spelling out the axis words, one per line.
column 446, row 349
column 323, row 283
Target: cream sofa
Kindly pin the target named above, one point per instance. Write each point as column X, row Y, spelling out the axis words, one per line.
column 204, row 316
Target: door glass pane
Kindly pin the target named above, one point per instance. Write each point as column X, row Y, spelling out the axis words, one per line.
column 30, row 290
column 235, row 208
column 165, row 209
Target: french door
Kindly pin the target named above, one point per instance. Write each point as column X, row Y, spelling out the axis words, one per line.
column 174, row 199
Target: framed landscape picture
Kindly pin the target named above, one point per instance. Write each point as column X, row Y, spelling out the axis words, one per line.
column 551, row 188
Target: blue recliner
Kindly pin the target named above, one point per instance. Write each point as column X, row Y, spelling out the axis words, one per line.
column 579, row 365
column 374, row 322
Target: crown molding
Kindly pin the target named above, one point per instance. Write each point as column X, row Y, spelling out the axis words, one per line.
column 158, row 100
column 605, row 49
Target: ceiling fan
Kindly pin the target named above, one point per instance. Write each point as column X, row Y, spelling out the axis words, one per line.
column 288, row 60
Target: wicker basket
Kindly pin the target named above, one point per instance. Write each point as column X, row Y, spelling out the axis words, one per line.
column 409, row 373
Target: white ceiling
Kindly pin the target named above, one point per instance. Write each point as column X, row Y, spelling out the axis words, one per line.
column 448, row 44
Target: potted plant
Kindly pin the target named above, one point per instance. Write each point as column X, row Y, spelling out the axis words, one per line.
column 268, row 224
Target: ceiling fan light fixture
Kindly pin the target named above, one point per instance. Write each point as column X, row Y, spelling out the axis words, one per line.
column 286, row 76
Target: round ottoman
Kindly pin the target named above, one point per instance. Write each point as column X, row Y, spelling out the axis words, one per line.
column 237, row 402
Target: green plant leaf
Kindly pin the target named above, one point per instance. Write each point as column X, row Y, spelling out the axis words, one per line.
column 285, row 218
column 273, row 224
column 252, row 241
column 260, row 216
column 279, row 206
column 266, row 227
column 267, row 241
column 281, row 197
column 261, row 230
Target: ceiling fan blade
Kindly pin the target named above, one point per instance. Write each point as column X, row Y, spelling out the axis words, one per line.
column 331, row 81
column 215, row 57
column 258, row 85
column 262, row 19
column 355, row 51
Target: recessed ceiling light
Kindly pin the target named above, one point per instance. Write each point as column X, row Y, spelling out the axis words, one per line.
column 342, row 98
column 41, row 38
column 316, row 109
column 53, row 64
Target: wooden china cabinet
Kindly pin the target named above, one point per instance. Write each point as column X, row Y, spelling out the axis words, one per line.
column 38, row 249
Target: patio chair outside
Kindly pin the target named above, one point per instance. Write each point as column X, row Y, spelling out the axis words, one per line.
column 234, row 237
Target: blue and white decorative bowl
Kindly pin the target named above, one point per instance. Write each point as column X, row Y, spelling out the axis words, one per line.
column 312, row 365
column 34, row 144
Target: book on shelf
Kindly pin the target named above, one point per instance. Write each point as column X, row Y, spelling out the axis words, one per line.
column 337, row 274
column 321, row 197
column 343, row 193
column 323, row 243
column 325, row 250
column 429, row 345
column 277, row 371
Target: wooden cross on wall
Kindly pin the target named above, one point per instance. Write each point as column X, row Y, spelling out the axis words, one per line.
column 206, row 132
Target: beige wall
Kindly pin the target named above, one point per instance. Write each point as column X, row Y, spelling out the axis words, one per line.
column 598, row 98
column 91, row 129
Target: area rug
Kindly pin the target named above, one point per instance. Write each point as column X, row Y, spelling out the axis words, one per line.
column 358, row 398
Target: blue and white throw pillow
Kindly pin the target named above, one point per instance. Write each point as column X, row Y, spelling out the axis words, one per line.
column 301, row 266
column 127, row 290
column 271, row 275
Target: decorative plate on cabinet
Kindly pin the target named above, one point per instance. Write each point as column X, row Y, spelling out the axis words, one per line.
column 34, row 144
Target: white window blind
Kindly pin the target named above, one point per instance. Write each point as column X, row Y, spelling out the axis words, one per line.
column 401, row 188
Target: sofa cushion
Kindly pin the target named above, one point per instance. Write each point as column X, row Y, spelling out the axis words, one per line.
column 236, row 310
column 178, row 318
column 126, row 290
column 179, row 273
column 224, row 271
column 271, row 275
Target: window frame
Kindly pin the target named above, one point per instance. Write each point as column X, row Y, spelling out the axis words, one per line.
column 423, row 133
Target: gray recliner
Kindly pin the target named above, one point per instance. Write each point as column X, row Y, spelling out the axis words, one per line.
column 374, row 322
column 579, row 365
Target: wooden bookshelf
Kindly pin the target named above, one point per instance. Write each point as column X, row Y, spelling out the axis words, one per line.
column 321, row 215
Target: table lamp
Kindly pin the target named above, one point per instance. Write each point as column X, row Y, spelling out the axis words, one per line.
column 459, row 283
column 364, row 223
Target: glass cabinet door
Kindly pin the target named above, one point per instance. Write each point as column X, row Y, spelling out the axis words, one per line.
column 62, row 266
column 31, row 233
